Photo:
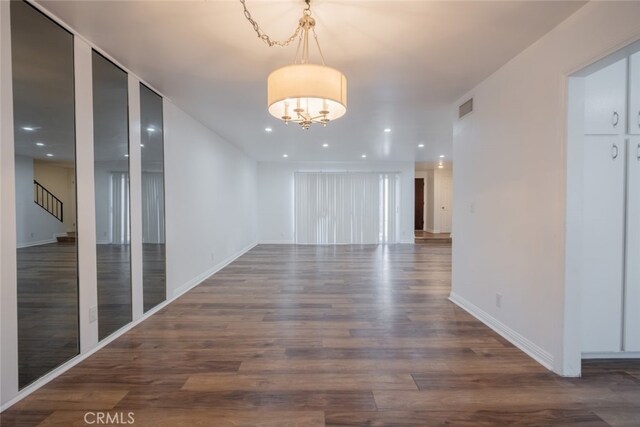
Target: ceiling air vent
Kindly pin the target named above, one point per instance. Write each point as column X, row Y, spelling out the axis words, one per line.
column 465, row 108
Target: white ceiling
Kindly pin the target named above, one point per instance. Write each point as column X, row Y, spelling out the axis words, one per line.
column 406, row 63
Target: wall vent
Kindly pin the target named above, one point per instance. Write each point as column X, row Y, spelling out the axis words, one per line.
column 465, row 108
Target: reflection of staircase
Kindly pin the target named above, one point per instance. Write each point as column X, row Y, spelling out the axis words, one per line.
column 47, row 201
column 69, row 238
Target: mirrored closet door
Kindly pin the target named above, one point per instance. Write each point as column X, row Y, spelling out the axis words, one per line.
column 45, row 176
column 153, row 240
column 111, row 174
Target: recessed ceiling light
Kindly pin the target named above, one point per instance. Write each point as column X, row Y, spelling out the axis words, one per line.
column 141, row 145
column 49, row 155
column 420, row 145
column 150, row 129
column 442, row 156
column 28, row 128
column 440, row 166
column 325, row 145
column 387, row 130
column 364, row 156
column 40, row 144
column 126, row 155
column 285, row 155
column 268, row 129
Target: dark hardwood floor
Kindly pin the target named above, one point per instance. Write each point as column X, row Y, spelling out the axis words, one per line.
column 344, row 335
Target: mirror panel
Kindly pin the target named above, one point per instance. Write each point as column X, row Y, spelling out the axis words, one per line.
column 111, row 173
column 153, row 232
column 44, row 128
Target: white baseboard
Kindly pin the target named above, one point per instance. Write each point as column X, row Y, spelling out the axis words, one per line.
column 288, row 242
column 432, row 231
column 38, row 243
column 210, row 272
column 79, row 358
column 613, row 355
column 534, row 351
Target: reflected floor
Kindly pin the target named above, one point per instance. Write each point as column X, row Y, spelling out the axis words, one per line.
column 48, row 300
column 114, row 288
column 154, row 274
column 47, row 309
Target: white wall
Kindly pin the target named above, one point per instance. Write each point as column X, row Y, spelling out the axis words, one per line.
column 509, row 180
column 276, row 201
column 430, row 201
column 211, row 199
column 34, row 225
column 8, row 290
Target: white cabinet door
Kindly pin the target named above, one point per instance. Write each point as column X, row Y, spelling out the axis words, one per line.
column 603, row 243
column 605, row 100
column 632, row 289
column 634, row 95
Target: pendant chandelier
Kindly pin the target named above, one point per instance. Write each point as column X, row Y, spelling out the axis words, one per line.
column 303, row 92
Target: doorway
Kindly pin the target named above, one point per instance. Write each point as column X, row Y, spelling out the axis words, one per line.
column 419, row 204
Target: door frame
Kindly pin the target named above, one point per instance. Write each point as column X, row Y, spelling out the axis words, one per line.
column 570, row 364
column 423, row 209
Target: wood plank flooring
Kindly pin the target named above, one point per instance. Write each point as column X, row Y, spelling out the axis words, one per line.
column 311, row 336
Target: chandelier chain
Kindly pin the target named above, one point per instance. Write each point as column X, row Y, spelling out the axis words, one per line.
column 264, row 36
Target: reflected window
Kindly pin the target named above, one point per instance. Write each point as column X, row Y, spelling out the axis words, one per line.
column 111, row 174
column 45, row 164
column 153, row 239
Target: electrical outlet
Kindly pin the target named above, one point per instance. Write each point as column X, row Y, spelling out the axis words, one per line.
column 93, row 314
column 499, row 300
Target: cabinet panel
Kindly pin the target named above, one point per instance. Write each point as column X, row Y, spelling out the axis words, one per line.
column 632, row 297
column 605, row 100
column 634, row 95
column 603, row 243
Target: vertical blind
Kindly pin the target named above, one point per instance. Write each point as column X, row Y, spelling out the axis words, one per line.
column 346, row 208
column 120, row 221
column 152, row 207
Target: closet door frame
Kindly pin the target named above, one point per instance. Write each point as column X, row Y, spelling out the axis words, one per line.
column 631, row 327
column 569, row 362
